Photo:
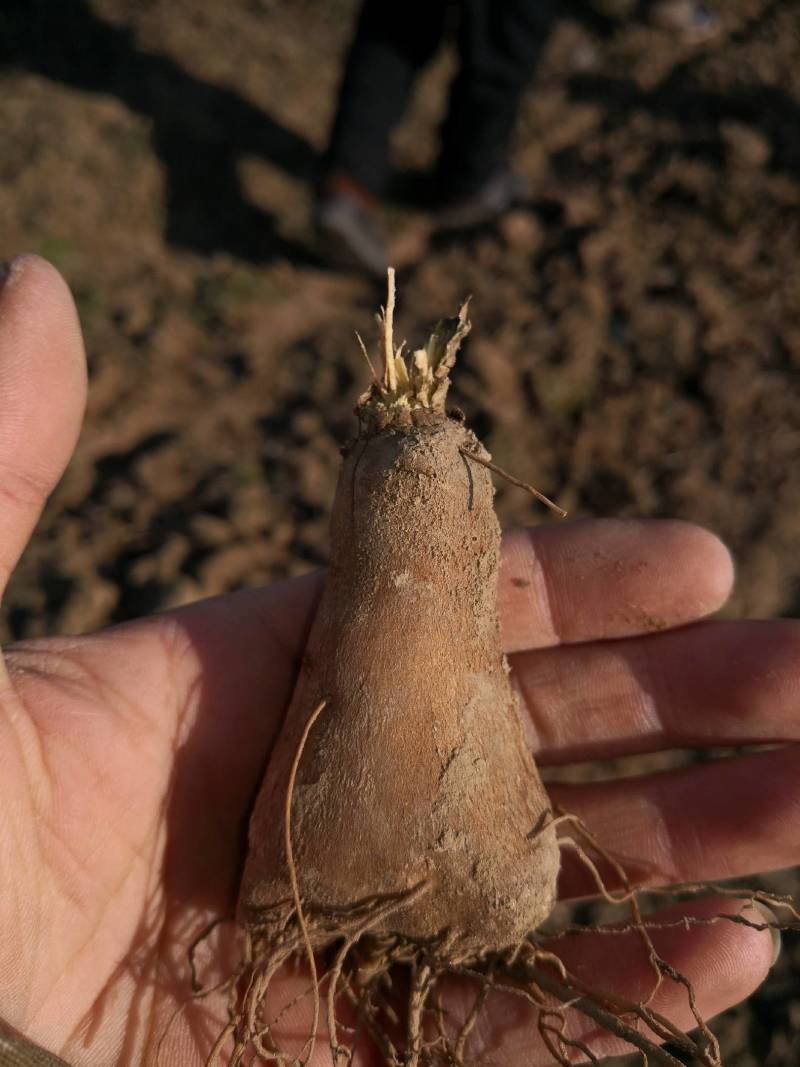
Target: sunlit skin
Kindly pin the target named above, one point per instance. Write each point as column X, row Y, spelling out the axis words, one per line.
column 130, row 757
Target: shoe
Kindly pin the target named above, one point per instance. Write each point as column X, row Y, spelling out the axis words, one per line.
column 505, row 189
column 694, row 22
column 350, row 232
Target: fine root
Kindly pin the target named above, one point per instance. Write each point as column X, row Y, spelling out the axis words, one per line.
column 394, row 991
column 515, row 481
column 362, row 1001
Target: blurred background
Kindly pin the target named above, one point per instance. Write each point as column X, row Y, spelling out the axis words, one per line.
column 636, row 339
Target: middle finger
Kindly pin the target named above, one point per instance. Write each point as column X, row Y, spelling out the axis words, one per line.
column 717, row 683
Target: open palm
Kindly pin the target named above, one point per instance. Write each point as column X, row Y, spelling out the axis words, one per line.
column 130, row 757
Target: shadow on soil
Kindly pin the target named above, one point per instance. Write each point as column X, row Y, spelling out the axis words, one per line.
column 199, row 130
column 701, row 112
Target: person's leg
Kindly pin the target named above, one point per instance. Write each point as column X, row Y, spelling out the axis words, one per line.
column 391, row 44
column 499, row 44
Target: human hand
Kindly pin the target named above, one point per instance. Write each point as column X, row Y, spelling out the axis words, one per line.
column 130, row 757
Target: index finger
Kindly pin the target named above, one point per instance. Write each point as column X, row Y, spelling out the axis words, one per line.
column 607, row 578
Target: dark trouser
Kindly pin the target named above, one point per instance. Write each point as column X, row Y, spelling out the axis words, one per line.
column 498, row 43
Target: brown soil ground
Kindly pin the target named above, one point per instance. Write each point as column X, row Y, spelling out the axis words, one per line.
column 636, row 348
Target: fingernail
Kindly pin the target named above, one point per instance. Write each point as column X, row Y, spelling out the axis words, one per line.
column 10, row 269
column 772, row 920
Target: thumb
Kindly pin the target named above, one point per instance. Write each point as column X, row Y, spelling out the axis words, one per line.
column 42, row 396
